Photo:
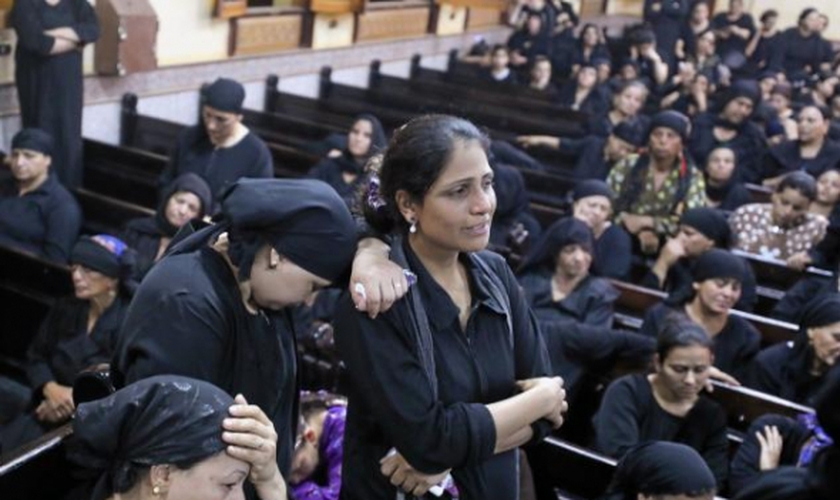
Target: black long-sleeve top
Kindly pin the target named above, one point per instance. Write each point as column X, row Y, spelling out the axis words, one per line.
column 784, row 370
column 391, row 402
column 188, row 318
column 733, row 43
column 749, row 146
column 729, row 196
column 629, row 415
column 798, row 54
column 588, row 152
column 143, row 235
column 63, row 346
column 219, row 167
column 735, row 346
column 45, row 221
column 590, row 303
column 787, row 157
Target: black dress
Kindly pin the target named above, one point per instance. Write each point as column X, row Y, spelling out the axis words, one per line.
column 219, row 167
column 667, row 25
column 45, row 221
column 786, row 157
column 613, row 253
column 588, row 153
column 50, row 86
column 590, row 303
column 187, row 318
column 735, row 346
column 729, row 196
column 630, row 415
column 391, row 402
column 798, row 55
column 331, row 171
column 143, row 235
column 733, row 44
column 60, row 351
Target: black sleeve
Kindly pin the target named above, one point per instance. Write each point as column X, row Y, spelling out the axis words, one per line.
column 264, row 167
column 595, row 346
column 87, row 24
column 173, row 332
column 716, row 448
column 749, row 295
column 30, row 33
column 764, row 373
column 618, row 420
column 62, row 224
column 650, row 325
column 38, row 369
column 389, row 377
column 620, row 256
column 530, row 352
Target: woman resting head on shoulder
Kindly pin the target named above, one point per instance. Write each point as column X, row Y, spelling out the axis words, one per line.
column 175, row 438
column 659, row 470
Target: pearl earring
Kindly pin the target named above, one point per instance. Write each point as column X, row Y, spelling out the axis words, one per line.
column 413, row 228
column 156, row 491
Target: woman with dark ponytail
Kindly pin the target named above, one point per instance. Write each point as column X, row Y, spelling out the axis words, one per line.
column 450, row 381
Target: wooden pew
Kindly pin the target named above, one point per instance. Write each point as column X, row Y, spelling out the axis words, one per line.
column 743, row 405
column 776, row 273
column 38, row 470
column 634, row 300
column 126, row 173
column 477, row 93
column 562, row 469
column 103, row 214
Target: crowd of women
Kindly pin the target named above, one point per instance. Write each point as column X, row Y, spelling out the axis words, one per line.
column 455, row 359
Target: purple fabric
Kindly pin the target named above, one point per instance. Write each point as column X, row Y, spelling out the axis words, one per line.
column 331, row 451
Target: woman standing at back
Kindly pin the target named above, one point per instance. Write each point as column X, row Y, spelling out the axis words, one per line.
column 451, row 379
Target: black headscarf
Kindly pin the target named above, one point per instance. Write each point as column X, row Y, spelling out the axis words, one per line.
column 34, row 139
column 225, row 95
column 567, row 231
column 164, row 419
column 711, row 223
column 108, row 255
column 673, row 120
column 741, row 88
column 191, row 183
column 822, row 311
column 378, row 142
column 304, row 220
column 592, row 187
column 717, row 263
column 661, row 468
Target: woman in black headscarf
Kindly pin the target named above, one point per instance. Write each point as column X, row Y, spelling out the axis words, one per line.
column 177, row 438
column 78, row 334
column 187, row 198
column 821, row 479
column 216, row 307
column 664, row 471
column 592, row 203
column 343, row 170
column 716, row 287
column 556, row 281
column 796, row 372
column 812, row 152
column 513, row 222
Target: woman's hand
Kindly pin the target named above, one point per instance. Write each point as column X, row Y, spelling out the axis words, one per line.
column 716, row 374
column 58, row 403
column 376, row 282
column 553, row 392
column 402, row 475
column 648, row 241
column 251, row 438
column 799, row 261
column 771, row 447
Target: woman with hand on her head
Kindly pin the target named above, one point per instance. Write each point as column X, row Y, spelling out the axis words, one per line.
column 79, row 333
column 343, row 169
column 177, row 438
column 668, row 405
column 186, row 199
column 451, row 380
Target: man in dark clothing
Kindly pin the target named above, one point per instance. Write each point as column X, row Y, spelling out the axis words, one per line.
column 220, row 149
column 36, row 213
column 731, row 127
column 801, row 49
column 733, row 30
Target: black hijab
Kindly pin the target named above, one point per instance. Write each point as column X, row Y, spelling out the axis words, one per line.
column 164, row 419
column 190, row 183
column 661, row 468
column 378, row 141
column 567, row 231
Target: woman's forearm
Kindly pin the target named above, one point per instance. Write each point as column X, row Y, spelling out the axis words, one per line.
column 62, row 46
column 513, row 417
column 65, row 33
